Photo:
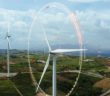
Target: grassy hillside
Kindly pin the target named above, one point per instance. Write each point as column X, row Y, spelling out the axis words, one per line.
column 64, row 80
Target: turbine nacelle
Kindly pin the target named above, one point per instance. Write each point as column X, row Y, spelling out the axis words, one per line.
column 7, row 36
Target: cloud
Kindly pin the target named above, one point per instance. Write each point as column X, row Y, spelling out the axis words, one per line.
column 96, row 27
column 94, row 24
column 88, row 1
column 20, row 25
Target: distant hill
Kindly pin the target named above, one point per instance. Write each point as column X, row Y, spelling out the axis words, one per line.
column 89, row 52
column 12, row 51
column 2, row 51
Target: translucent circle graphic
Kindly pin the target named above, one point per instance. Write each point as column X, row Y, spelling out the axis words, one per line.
column 55, row 27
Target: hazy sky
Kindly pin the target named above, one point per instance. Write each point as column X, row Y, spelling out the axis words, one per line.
column 94, row 17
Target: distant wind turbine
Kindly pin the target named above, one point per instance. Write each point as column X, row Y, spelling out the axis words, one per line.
column 8, row 53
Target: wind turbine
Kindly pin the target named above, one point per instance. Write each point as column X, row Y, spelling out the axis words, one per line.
column 7, row 37
column 8, row 53
column 55, row 53
column 8, row 45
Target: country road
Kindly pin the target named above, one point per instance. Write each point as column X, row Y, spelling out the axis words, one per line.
column 85, row 73
column 107, row 93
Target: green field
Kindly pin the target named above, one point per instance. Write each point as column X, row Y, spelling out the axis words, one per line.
column 23, row 82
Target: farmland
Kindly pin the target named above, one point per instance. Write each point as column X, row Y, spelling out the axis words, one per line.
column 22, row 81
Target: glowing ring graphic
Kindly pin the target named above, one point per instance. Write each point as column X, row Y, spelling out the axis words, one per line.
column 75, row 23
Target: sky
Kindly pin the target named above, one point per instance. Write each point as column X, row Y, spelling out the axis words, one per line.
column 19, row 17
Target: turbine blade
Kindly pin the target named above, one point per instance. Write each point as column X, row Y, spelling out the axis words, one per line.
column 58, row 51
column 43, row 73
column 6, row 35
column 47, row 41
column 9, row 43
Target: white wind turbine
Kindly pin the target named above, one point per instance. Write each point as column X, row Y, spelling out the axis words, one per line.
column 8, row 53
column 7, row 37
column 7, row 74
column 54, row 54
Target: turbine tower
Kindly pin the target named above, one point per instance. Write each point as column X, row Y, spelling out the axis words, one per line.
column 55, row 54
